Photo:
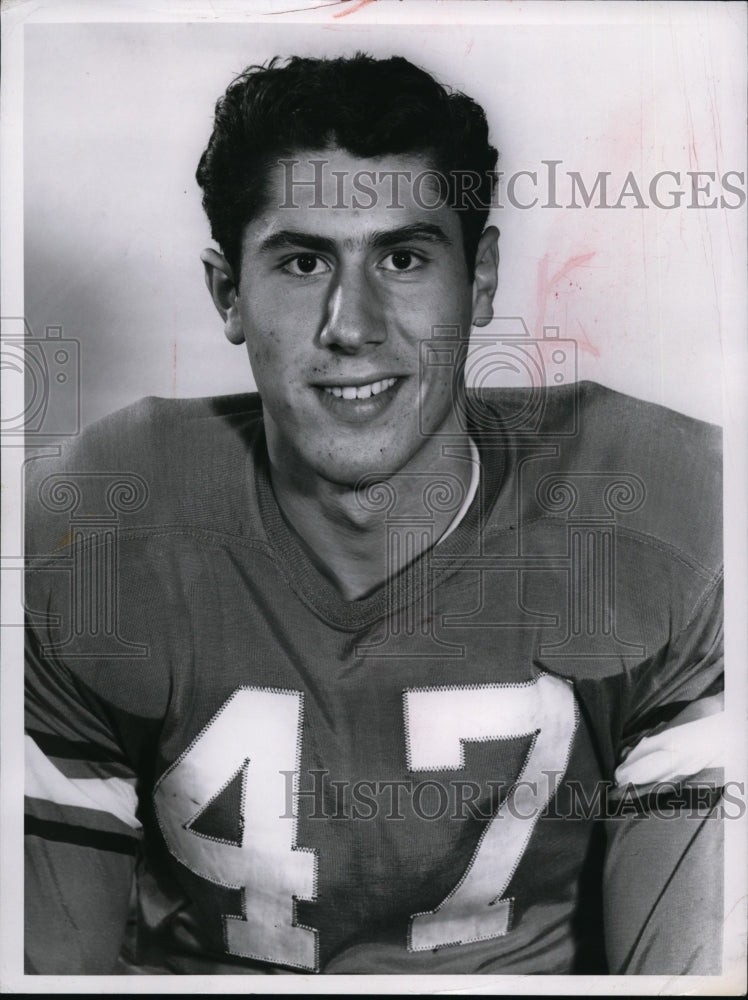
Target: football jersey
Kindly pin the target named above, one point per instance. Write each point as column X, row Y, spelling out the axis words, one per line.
column 413, row 782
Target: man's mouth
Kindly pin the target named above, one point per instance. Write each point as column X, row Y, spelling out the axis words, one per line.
column 360, row 391
column 358, row 402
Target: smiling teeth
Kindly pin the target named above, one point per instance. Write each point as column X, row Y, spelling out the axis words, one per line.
column 361, row 391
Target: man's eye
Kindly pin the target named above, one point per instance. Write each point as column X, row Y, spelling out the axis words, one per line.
column 305, row 264
column 401, row 260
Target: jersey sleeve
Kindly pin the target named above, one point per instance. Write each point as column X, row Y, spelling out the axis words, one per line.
column 663, row 891
column 663, row 884
column 82, row 830
column 674, row 728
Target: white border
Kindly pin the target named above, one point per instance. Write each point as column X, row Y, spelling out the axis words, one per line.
column 15, row 15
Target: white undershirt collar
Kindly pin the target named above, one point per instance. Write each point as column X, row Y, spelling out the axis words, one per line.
column 472, row 490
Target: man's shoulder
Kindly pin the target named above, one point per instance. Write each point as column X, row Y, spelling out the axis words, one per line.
column 630, row 435
column 139, row 432
column 654, row 471
column 591, row 413
column 157, row 461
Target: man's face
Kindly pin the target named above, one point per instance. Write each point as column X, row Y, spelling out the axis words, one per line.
column 334, row 302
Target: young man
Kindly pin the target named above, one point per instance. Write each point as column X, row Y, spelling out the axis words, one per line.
column 367, row 673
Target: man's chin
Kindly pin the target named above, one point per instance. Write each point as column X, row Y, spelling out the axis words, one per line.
column 358, row 475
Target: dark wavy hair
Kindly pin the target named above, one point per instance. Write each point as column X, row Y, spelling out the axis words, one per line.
column 368, row 107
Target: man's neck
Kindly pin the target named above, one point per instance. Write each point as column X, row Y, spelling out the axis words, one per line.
column 358, row 538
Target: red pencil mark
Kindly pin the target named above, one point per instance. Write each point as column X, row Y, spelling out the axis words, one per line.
column 586, row 344
column 352, row 10
column 469, row 46
column 548, row 285
column 301, row 10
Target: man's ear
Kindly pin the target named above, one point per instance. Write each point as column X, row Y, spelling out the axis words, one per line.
column 220, row 281
column 486, row 276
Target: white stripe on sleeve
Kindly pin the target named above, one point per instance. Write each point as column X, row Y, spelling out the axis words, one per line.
column 115, row 795
column 677, row 752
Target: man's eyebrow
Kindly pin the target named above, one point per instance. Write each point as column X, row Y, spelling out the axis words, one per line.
column 426, row 231
column 286, row 239
column 378, row 240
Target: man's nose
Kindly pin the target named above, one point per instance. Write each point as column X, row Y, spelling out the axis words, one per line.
column 354, row 315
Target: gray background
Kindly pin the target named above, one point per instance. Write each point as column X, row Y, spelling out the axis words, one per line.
column 116, row 116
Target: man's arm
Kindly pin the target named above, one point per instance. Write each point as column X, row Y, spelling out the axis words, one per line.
column 663, row 888
column 663, row 891
column 82, row 832
column 663, row 894
column 77, row 902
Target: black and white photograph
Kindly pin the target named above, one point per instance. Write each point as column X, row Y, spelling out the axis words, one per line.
column 374, row 462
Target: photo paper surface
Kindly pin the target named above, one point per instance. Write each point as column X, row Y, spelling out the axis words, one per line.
column 371, row 592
